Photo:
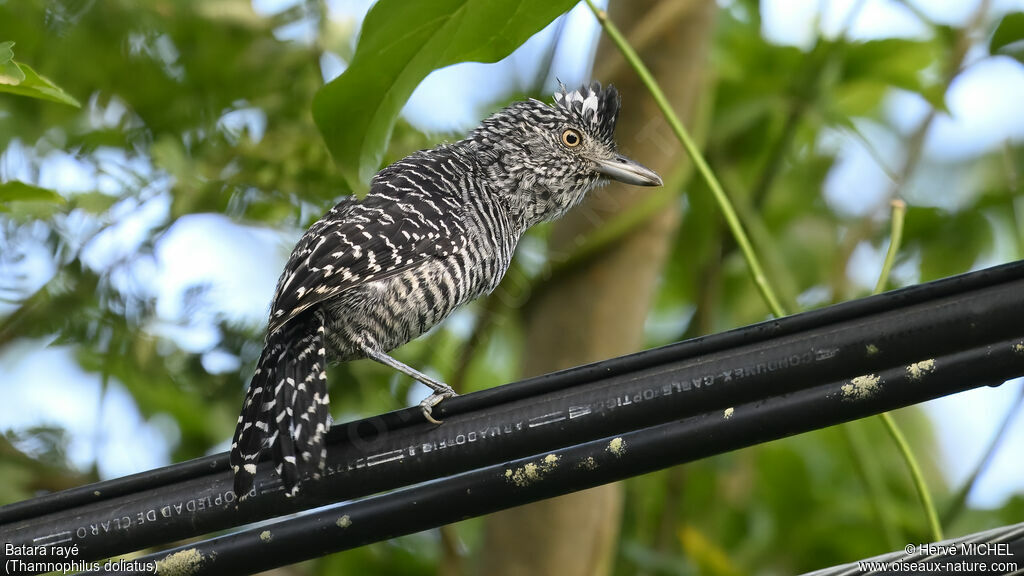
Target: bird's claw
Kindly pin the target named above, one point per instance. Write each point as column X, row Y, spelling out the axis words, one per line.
column 434, row 399
column 431, row 419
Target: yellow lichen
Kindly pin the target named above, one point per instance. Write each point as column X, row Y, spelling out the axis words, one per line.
column 530, row 469
column 617, row 446
column 861, row 387
column 343, row 522
column 917, row 370
column 728, row 412
column 266, row 536
column 531, row 472
column 184, row 563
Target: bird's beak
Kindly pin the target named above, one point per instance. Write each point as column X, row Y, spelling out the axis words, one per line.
column 620, row 168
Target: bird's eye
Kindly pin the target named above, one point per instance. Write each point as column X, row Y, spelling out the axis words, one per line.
column 571, row 138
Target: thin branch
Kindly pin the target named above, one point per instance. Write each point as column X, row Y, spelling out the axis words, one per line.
column 896, row 238
column 651, row 26
column 915, row 472
column 724, row 203
column 915, row 142
column 915, row 147
column 872, row 151
column 899, row 210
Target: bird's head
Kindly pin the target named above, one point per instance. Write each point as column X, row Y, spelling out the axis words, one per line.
column 544, row 158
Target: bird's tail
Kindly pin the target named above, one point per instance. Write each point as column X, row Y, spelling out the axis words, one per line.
column 287, row 403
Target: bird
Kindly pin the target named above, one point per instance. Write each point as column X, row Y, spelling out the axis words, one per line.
column 436, row 230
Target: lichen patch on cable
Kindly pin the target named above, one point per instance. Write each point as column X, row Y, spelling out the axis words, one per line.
column 617, row 446
column 184, row 563
column 861, row 387
column 530, row 472
column 917, row 370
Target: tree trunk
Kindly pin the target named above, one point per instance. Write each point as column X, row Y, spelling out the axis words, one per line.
column 598, row 309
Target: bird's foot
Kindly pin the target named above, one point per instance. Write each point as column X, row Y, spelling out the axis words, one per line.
column 434, row 399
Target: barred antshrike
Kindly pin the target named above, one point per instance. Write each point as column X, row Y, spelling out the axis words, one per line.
column 436, row 230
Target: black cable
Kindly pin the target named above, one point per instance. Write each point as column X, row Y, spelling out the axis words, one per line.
column 753, row 364
column 199, row 467
column 344, row 526
column 996, row 551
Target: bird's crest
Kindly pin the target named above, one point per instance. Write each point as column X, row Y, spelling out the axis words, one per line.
column 593, row 106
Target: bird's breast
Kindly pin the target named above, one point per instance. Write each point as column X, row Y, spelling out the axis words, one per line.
column 392, row 311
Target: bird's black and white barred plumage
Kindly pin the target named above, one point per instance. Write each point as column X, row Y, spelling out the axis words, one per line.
column 436, row 230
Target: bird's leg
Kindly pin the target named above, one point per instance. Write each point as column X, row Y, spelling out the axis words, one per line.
column 441, row 390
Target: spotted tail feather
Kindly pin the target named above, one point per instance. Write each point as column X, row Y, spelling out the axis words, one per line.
column 311, row 402
column 286, row 407
column 282, row 443
column 253, row 423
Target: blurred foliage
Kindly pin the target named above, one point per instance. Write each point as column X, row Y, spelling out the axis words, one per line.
column 1009, row 36
column 15, row 191
column 194, row 107
column 17, row 78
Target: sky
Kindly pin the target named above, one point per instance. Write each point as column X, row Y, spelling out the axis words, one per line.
column 241, row 267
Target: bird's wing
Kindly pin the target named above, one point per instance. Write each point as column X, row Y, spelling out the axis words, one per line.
column 391, row 230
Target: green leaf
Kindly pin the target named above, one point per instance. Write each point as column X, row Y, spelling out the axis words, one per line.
column 15, row 191
column 894, row 62
column 950, row 242
column 1009, row 37
column 858, row 98
column 400, row 43
column 94, row 202
column 31, row 84
column 6, row 54
column 10, row 74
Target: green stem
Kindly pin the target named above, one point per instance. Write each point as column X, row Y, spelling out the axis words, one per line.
column 872, row 151
column 733, row 221
column 914, row 148
column 899, row 210
column 915, row 471
column 896, row 238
